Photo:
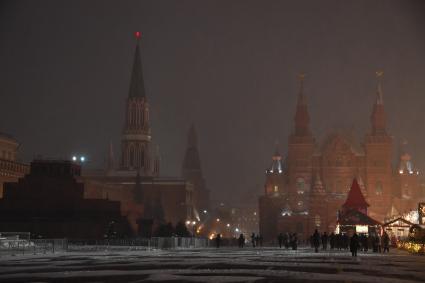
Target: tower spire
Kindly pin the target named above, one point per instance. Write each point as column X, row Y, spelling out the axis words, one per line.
column 379, row 76
column 137, row 85
column 378, row 118
column 111, row 163
column 302, row 118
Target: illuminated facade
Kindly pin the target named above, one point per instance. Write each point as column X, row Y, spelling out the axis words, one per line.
column 316, row 177
column 10, row 169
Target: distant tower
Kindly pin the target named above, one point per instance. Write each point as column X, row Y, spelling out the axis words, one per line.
column 136, row 137
column 275, row 178
column 274, row 203
column 378, row 150
column 300, row 151
column 111, row 159
column 408, row 188
column 192, row 171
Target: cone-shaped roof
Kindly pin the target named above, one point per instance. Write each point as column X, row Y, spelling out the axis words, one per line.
column 355, row 198
column 192, row 160
column 137, row 85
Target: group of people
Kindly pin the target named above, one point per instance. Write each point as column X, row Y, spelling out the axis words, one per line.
column 288, row 240
column 354, row 243
column 256, row 240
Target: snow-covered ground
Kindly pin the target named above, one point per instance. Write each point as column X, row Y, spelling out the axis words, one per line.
column 213, row 265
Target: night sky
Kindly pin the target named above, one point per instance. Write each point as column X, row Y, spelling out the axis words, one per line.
column 228, row 66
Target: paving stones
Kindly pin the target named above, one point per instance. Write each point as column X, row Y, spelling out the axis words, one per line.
column 213, row 265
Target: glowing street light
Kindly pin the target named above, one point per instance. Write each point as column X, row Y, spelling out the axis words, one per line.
column 74, row 158
column 82, row 159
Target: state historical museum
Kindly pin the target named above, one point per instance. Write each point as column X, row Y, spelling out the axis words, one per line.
column 306, row 191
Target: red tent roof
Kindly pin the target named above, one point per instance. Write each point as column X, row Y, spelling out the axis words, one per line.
column 355, row 197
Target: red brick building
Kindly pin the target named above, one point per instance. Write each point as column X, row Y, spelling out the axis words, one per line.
column 307, row 188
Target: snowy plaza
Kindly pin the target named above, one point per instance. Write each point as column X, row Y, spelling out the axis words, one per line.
column 213, row 265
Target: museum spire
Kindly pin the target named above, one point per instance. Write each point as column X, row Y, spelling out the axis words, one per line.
column 302, row 118
column 378, row 117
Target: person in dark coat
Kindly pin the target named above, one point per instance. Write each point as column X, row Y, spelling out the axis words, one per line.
column 294, row 241
column 365, row 243
column 316, row 240
column 241, row 241
column 253, row 238
column 332, row 240
column 280, row 240
column 286, row 240
column 354, row 244
column 218, row 240
column 386, row 242
column 325, row 241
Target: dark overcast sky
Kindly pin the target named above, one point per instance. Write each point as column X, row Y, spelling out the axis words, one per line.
column 229, row 66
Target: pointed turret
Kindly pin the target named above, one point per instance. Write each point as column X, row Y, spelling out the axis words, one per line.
column 136, row 139
column 191, row 159
column 111, row 161
column 192, row 171
column 302, row 118
column 276, row 166
column 355, row 199
column 378, row 117
column 137, row 85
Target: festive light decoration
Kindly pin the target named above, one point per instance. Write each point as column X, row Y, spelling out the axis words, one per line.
column 412, row 247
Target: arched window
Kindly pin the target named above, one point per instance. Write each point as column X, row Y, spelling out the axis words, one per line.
column 317, row 220
column 300, row 183
column 378, row 188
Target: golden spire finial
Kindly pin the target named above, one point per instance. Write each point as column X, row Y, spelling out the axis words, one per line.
column 301, row 76
column 379, row 73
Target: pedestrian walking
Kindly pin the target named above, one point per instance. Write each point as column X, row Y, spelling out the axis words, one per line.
column 325, row 241
column 316, row 241
column 286, row 240
column 241, row 241
column 253, row 239
column 280, row 239
column 386, row 242
column 332, row 240
column 218, row 240
column 354, row 245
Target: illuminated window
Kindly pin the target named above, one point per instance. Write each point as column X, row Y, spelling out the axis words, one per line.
column 317, row 220
column 300, row 203
column 378, row 188
column 276, row 189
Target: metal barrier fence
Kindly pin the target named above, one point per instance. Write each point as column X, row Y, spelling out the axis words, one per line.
column 138, row 244
column 12, row 243
column 19, row 243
